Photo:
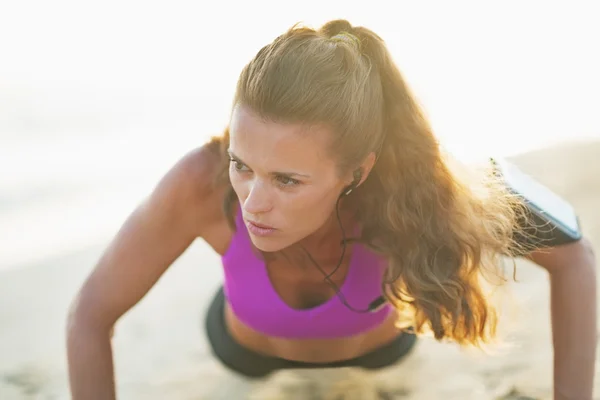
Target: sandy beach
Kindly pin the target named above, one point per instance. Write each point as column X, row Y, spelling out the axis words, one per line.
column 161, row 352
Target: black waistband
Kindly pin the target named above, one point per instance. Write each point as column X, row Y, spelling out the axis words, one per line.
column 254, row 365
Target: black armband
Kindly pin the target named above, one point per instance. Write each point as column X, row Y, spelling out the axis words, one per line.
column 547, row 219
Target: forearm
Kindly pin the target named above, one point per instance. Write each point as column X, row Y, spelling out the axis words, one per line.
column 573, row 308
column 91, row 374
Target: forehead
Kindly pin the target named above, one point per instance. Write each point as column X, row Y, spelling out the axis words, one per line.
column 275, row 144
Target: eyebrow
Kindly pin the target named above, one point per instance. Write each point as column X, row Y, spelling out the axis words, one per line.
column 280, row 173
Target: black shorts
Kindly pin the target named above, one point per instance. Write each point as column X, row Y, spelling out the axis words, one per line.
column 255, row 365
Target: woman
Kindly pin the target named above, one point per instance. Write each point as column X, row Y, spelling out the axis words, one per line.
column 339, row 224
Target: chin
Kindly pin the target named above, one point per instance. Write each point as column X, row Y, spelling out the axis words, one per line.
column 268, row 245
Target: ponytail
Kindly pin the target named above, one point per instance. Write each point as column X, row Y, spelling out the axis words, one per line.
column 438, row 235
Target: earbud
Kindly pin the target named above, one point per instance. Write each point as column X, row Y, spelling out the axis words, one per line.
column 357, row 174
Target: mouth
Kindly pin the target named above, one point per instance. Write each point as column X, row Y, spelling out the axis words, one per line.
column 261, row 226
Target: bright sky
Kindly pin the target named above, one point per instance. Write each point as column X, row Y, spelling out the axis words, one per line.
column 487, row 72
column 494, row 77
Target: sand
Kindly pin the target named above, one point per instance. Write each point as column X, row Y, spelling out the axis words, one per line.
column 161, row 352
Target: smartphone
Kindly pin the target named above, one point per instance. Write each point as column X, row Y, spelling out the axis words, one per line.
column 550, row 220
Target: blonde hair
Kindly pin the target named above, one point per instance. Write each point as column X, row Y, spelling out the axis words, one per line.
column 439, row 234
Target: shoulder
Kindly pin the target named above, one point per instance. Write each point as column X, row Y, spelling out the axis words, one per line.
column 192, row 188
column 198, row 173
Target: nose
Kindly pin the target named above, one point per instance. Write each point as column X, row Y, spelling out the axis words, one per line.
column 259, row 198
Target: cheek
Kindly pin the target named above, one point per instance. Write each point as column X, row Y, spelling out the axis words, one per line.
column 309, row 210
column 238, row 184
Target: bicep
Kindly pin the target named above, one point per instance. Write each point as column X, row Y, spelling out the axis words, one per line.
column 567, row 255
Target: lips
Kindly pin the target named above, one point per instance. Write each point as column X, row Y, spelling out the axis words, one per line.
column 259, row 230
column 262, row 226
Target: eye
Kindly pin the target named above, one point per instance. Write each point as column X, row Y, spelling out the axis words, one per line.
column 237, row 165
column 283, row 180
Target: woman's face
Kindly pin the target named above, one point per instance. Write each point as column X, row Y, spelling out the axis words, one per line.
column 286, row 182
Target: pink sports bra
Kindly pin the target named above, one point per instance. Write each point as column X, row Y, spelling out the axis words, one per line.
column 255, row 302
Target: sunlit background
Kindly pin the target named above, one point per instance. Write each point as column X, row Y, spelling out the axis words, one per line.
column 97, row 99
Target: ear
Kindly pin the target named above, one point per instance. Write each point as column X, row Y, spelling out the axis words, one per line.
column 359, row 174
column 366, row 166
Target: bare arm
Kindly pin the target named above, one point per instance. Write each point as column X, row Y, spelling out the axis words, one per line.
column 573, row 308
column 154, row 235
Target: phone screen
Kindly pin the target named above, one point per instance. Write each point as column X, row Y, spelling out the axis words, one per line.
column 538, row 194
